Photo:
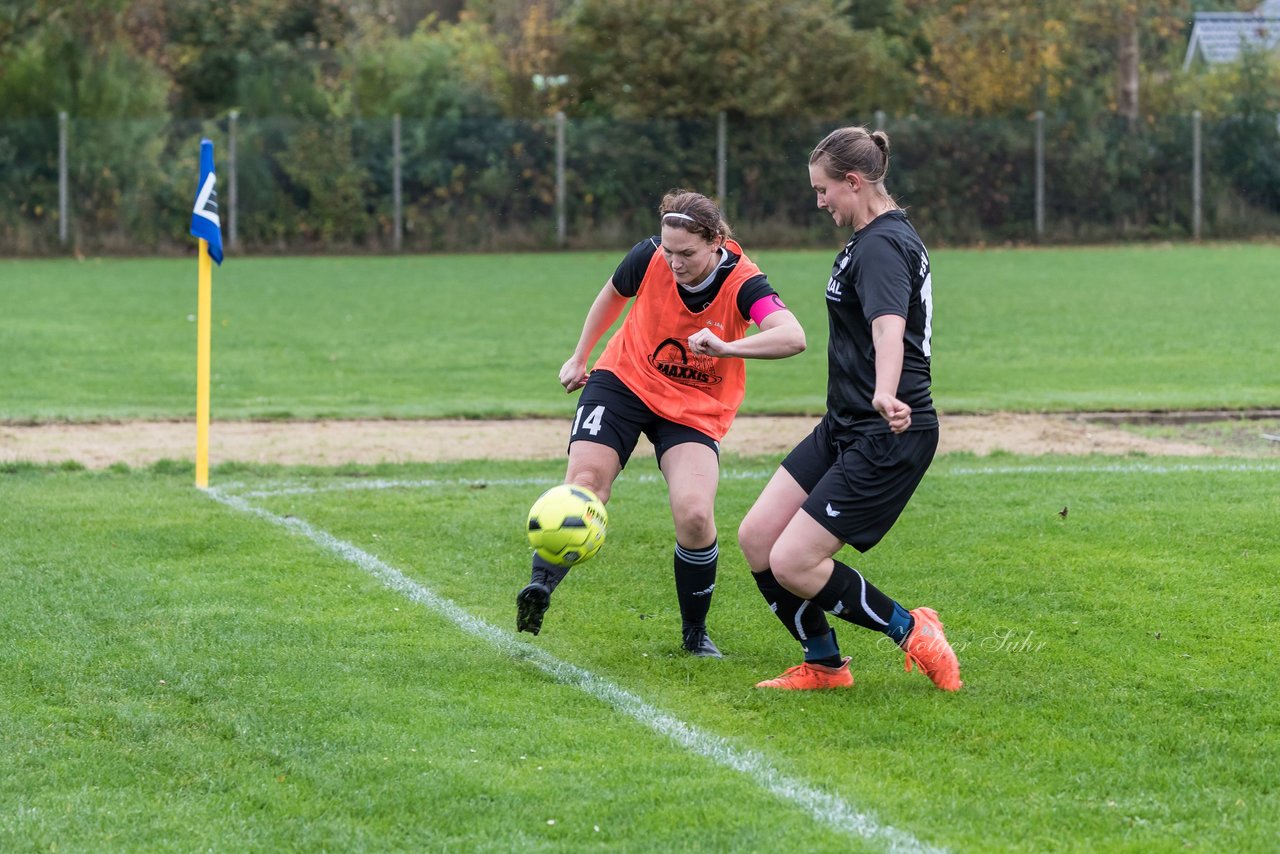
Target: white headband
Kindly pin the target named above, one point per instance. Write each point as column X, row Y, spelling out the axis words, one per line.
column 681, row 216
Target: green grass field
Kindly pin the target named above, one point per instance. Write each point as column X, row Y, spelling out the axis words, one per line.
column 185, row 674
column 1062, row 329
column 325, row 659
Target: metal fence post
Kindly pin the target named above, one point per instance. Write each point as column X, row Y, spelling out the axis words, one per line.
column 561, row 218
column 63, row 213
column 1197, row 197
column 722, row 157
column 233, row 121
column 1039, row 174
column 879, row 120
column 397, row 199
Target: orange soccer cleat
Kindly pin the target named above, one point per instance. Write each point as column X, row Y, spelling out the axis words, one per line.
column 927, row 646
column 811, row 677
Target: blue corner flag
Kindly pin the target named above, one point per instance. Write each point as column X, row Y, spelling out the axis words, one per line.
column 205, row 222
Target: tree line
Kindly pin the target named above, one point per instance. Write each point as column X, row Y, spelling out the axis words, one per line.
column 326, row 64
column 620, row 58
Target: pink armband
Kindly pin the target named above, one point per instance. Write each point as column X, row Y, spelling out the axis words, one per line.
column 764, row 307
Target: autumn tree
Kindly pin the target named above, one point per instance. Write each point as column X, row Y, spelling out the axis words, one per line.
column 1130, row 43
column 442, row 69
column 1008, row 57
column 751, row 58
column 56, row 57
column 266, row 57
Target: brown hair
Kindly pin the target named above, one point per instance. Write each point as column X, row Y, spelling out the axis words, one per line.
column 853, row 149
column 694, row 213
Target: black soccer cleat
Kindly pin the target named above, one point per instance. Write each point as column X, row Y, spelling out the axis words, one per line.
column 531, row 605
column 697, row 642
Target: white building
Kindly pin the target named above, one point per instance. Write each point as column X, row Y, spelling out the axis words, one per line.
column 1220, row 37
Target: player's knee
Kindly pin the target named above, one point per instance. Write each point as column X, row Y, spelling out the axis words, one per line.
column 593, row 480
column 755, row 543
column 788, row 567
column 695, row 523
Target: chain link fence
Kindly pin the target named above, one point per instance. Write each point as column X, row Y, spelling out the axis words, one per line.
column 481, row 184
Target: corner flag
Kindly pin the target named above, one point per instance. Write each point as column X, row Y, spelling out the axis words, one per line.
column 206, row 225
column 205, row 222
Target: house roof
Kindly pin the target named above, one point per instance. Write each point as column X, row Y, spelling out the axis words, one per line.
column 1222, row 36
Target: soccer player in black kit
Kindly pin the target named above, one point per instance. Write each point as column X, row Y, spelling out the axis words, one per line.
column 850, row 479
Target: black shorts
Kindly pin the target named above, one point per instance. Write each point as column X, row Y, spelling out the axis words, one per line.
column 610, row 414
column 859, row 486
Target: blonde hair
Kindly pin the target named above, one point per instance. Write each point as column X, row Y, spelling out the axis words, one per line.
column 853, row 149
column 694, row 213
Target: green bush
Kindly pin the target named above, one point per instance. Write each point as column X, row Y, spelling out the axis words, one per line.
column 114, row 174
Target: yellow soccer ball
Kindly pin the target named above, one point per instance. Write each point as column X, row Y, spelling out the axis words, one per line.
column 567, row 524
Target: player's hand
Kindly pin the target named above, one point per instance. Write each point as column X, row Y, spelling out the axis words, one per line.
column 573, row 374
column 704, row 342
column 897, row 413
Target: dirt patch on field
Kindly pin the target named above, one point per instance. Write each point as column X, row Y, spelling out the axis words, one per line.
column 141, row 443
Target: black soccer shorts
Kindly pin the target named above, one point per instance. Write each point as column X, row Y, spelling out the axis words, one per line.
column 611, row 414
column 859, row 485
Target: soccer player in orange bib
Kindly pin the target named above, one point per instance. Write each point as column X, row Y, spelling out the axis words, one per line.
column 848, row 482
column 674, row 372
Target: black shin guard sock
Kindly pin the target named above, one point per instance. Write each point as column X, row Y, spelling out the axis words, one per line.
column 801, row 617
column 851, row 597
column 695, row 571
column 823, row 649
column 547, row 573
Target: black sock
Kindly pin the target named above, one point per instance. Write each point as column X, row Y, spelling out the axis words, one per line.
column 547, row 573
column 804, row 619
column 695, row 571
column 851, row 597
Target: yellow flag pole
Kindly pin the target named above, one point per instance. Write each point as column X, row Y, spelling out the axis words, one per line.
column 204, row 303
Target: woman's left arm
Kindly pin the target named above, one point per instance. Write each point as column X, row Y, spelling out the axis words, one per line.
column 780, row 335
column 887, row 332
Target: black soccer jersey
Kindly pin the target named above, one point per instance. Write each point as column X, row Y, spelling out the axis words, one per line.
column 883, row 269
column 631, row 270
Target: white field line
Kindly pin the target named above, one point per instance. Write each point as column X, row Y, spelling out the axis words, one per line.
column 287, row 488
column 1112, row 468
column 822, row 806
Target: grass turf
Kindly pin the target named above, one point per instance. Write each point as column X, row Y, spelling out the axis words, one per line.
column 484, row 336
column 180, row 675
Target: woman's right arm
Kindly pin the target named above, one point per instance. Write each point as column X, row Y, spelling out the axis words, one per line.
column 606, row 308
